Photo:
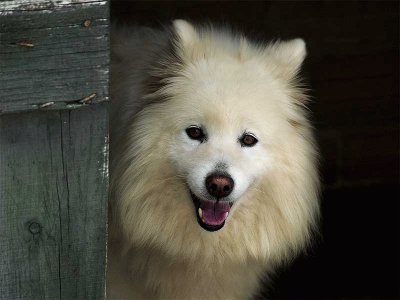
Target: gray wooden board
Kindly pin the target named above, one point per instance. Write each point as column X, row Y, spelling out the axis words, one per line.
column 53, row 54
column 53, row 199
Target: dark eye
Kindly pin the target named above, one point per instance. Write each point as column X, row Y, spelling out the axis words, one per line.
column 195, row 133
column 248, row 140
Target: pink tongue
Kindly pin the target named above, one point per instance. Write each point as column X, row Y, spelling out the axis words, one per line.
column 214, row 213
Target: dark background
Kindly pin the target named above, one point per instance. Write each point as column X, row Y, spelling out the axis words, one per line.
column 353, row 70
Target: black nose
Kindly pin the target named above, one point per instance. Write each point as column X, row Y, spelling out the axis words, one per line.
column 219, row 185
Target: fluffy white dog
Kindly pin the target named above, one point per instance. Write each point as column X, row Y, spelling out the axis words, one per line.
column 213, row 163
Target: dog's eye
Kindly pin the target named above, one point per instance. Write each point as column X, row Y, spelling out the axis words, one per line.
column 248, row 140
column 195, row 133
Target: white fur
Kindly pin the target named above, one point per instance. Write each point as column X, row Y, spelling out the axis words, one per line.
column 229, row 86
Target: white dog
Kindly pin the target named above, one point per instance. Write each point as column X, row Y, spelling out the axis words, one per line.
column 213, row 163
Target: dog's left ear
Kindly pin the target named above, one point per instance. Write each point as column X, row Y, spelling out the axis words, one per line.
column 286, row 57
column 187, row 36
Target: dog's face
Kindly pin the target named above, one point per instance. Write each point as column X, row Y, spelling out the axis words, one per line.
column 225, row 135
column 219, row 159
column 228, row 114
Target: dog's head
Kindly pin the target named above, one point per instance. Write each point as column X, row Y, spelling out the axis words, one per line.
column 229, row 112
column 222, row 137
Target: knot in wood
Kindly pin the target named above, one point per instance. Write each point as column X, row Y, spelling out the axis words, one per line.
column 35, row 228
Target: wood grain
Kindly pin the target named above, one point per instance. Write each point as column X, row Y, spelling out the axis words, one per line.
column 53, row 197
column 54, row 62
column 53, row 54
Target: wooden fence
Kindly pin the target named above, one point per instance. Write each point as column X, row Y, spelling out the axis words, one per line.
column 54, row 62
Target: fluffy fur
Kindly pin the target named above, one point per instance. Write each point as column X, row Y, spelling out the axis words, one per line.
column 165, row 81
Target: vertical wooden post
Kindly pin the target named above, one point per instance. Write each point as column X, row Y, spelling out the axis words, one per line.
column 53, row 148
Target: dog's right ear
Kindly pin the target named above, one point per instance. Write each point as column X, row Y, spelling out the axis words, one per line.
column 287, row 56
column 187, row 36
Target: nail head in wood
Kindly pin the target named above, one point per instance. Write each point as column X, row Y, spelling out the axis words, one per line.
column 87, row 23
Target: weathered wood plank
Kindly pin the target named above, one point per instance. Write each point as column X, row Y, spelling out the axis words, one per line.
column 43, row 5
column 53, row 54
column 53, row 199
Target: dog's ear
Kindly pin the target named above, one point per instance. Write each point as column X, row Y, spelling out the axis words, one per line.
column 286, row 57
column 186, row 35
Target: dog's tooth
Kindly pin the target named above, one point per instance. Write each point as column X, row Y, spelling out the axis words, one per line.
column 200, row 212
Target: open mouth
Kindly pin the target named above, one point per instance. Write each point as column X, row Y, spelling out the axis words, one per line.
column 211, row 215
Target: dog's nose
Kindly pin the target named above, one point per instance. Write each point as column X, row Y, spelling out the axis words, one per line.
column 219, row 185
